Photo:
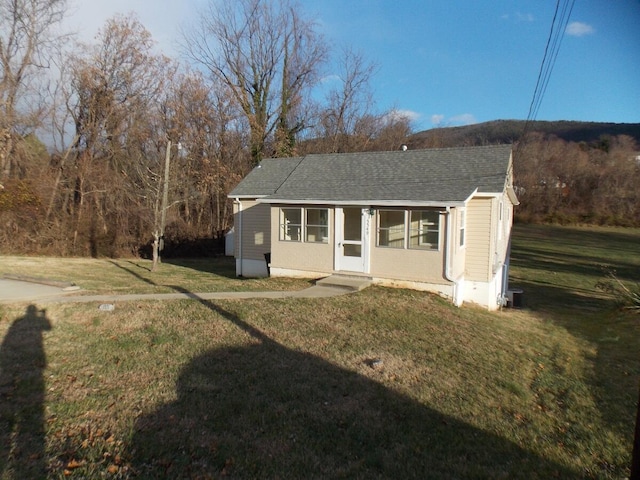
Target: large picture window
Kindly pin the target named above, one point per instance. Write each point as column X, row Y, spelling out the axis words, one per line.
column 317, row 225
column 391, row 228
column 291, row 224
column 424, row 229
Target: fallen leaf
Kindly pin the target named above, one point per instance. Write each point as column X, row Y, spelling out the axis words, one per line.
column 73, row 464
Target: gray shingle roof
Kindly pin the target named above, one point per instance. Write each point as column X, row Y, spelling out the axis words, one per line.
column 444, row 175
column 265, row 178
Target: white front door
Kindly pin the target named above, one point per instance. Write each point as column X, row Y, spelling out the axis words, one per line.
column 351, row 234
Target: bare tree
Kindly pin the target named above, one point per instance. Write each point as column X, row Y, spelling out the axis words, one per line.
column 347, row 103
column 26, row 35
column 117, row 85
column 268, row 56
column 211, row 127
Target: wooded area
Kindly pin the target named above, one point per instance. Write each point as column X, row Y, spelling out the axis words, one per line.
column 565, row 172
column 113, row 148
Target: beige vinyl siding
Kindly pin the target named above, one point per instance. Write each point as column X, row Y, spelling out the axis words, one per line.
column 255, row 230
column 413, row 265
column 479, row 240
column 417, row 265
column 303, row 255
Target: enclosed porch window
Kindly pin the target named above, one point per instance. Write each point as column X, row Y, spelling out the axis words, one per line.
column 424, row 229
column 391, row 228
column 317, row 225
column 314, row 229
column 291, row 224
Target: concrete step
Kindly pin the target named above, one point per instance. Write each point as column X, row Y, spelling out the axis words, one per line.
column 349, row 282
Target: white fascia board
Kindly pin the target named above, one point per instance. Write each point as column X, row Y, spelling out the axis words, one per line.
column 245, row 197
column 487, row 195
column 473, row 194
column 363, row 203
column 512, row 196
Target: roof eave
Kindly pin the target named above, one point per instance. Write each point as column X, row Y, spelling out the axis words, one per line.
column 363, row 203
column 244, row 197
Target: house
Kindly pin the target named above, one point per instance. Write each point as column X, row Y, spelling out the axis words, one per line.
column 437, row 220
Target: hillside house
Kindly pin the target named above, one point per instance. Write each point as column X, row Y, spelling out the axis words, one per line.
column 437, row 220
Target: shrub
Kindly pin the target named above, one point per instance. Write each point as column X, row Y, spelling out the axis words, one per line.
column 628, row 296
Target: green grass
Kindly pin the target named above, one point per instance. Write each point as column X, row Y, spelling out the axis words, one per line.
column 385, row 383
column 119, row 276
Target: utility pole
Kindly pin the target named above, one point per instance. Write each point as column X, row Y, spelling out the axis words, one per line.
column 158, row 234
column 165, row 194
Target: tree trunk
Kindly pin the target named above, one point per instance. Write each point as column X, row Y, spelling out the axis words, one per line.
column 155, row 251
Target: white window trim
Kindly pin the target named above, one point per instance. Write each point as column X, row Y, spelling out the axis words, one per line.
column 408, row 230
column 422, row 230
column 284, row 225
column 379, row 228
column 303, row 225
column 324, row 240
column 462, row 228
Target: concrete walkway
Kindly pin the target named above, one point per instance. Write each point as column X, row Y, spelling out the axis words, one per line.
column 12, row 291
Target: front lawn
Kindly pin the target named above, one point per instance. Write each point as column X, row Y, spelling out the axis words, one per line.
column 384, row 383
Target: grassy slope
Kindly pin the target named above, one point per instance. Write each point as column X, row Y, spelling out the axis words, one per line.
column 380, row 384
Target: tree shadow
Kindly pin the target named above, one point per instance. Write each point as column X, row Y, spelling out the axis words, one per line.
column 266, row 411
column 220, row 265
column 134, row 273
column 22, row 394
column 583, row 252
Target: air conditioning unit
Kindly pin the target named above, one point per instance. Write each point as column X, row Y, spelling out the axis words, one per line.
column 515, row 298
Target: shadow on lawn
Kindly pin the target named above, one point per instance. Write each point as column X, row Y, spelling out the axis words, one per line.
column 221, row 266
column 266, row 411
column 22, row 393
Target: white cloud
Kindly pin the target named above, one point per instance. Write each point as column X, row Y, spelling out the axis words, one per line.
column 437, row 118
column 579, row 29
column 162, row 18
column 410, row 114
column 440, row 120
column 330, row 79
column 396, row 114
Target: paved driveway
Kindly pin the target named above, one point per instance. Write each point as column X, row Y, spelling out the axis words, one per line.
column 16, row 291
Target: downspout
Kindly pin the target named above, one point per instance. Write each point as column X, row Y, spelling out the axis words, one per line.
column 239, row 233
column 447, row 256
column 505, row 272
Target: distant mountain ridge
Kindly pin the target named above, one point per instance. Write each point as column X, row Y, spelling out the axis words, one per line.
column 509, row 131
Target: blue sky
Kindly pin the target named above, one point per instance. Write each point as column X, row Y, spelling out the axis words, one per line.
column 456, row 62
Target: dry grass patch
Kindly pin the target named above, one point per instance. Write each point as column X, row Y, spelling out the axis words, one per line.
column 124, row 276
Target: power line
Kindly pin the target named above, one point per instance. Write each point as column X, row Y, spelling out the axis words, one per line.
column 559, row 24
